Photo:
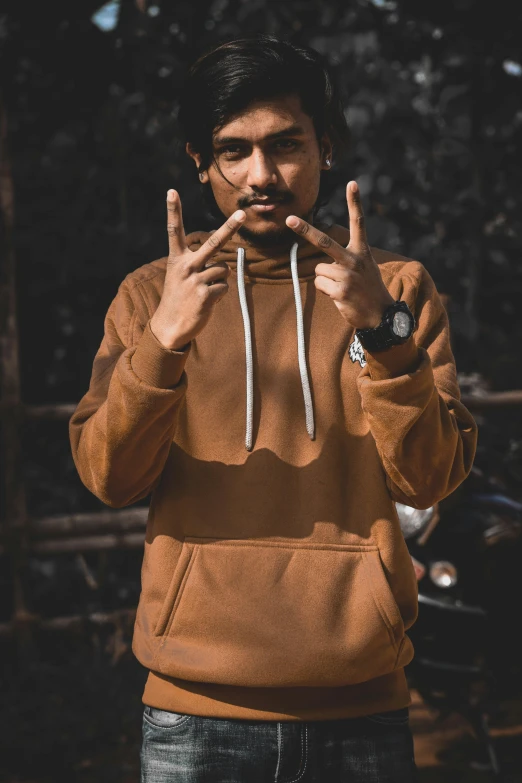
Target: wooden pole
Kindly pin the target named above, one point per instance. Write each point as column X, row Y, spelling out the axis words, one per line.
column 89, row 543
column 501, row 399
column 62, row 412
column 75, row 621
column 104, row 521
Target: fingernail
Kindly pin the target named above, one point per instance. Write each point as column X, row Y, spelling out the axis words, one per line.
column 353, row 187
column 292, row 221
column 239, row 215
column 171, row 195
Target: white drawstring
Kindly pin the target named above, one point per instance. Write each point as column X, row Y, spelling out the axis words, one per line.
column 301, row 348
column 248, row 348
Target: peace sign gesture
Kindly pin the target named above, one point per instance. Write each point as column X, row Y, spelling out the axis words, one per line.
column 353, row 280
column 192, row 284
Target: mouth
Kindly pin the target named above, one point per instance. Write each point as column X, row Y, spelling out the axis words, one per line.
column 264, row 206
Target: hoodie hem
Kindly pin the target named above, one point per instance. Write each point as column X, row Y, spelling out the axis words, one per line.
column 382, row 694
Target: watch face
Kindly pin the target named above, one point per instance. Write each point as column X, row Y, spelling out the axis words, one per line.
column 401, row 324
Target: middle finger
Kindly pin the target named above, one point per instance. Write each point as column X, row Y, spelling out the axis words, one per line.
column 338, row 272
column 213, row 273
column 175, row 230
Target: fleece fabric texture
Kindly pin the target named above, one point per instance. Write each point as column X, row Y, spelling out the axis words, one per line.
column 276, row 583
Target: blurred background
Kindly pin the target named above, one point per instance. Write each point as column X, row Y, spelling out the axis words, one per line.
column 89, row 146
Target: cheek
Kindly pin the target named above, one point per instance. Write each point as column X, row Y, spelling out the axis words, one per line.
column 235, row 174
column 303, row 179
column 223, row 192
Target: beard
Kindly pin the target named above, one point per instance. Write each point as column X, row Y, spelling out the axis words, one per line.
column 281, row 237
column 277, row 237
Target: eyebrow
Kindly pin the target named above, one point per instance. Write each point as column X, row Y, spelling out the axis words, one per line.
column 293, row 130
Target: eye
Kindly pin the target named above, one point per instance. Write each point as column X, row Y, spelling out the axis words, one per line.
column 231, row 151
column 286, row 144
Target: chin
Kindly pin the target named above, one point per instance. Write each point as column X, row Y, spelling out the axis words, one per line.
column 269, row 236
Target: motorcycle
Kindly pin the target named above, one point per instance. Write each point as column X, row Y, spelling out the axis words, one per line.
column 466, row 553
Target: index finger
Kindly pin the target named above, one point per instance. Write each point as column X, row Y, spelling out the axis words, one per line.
column 358, row 239
column 317, row 238
column 219, row 238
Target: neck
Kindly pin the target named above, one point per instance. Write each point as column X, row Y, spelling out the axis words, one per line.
column 273, row 241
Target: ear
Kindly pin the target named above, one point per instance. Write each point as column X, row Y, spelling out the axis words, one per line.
column 326, row 152
column 196, row 157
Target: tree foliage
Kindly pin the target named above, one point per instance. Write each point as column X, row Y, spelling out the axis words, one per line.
column 433, row 96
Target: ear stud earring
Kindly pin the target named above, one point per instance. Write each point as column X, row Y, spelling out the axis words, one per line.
column 327, row 161
column 201, row 175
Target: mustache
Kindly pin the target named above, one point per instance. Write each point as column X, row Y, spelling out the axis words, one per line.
column 278, row 197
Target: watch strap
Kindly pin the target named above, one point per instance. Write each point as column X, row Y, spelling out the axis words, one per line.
column 382, row 337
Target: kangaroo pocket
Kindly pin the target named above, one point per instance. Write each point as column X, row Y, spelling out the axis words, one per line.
column 270, row 614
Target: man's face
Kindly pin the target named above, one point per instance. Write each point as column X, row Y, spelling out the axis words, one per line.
column 269, row 163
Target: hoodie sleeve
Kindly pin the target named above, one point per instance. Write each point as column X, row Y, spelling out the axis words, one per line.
column 122, row 429
column 425, row 436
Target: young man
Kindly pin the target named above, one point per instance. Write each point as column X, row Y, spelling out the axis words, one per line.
column 277, row 385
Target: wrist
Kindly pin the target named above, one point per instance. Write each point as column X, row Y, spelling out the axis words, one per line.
column 372, row 320
column 169, row 339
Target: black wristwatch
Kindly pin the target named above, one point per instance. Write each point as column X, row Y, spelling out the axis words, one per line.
column 396, row 327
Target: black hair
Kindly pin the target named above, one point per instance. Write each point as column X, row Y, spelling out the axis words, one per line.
column 231, row 76
column 228, row 78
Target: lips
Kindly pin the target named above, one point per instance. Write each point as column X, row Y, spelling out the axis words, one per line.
column 264, row 206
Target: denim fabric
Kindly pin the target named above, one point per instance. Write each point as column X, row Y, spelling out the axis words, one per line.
column 193, row 749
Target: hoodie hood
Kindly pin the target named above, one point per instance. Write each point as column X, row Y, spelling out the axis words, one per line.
column 272, row 263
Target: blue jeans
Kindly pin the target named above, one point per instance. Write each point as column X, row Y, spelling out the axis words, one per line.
column 193, row 749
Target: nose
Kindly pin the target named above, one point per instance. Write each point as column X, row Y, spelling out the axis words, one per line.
column 261, row 171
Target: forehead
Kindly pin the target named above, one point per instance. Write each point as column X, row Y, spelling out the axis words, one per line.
column 266, row 118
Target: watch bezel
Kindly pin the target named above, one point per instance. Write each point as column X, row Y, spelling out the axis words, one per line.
column 396, row 318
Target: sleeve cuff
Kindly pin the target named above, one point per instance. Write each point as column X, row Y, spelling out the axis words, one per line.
column 399, row 360
column 155, row 365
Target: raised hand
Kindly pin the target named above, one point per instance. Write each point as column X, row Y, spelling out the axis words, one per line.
column 353, row 280
column 192, row 285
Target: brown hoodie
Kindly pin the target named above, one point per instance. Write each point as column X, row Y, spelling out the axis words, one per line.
column 276, row 584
